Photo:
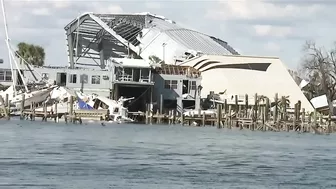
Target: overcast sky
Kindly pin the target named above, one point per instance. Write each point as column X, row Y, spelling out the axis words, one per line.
column 253, row 27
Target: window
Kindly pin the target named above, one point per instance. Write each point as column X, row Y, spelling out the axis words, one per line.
column 167, row 84
column 8, row 76
column 5, row 75
column 73, row 78
column 193, row 85
column 45, row 75
column 170, row 84
column 105, row 77
column 2, row 76
column 173, row 84
column 95, row 79
column 84, row 78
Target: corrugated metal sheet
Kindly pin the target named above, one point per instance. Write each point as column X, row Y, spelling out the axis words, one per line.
column 197, row 41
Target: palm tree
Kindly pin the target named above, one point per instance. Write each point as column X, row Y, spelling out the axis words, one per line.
column 33, row 54
column 155, row 60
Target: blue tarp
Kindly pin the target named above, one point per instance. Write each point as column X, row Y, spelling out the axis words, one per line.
column 83, row 105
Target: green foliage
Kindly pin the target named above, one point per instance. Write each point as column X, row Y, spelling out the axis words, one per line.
column 155, row 60
column 33, row 54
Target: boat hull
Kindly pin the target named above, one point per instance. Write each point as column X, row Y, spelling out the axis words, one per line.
column 32, row 97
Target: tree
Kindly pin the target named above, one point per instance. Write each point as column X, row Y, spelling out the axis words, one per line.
column 33, row 54
column 319, row 65
column 155, row 60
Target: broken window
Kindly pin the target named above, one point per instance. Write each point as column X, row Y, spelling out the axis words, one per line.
column 170, row 84
column 95, row 79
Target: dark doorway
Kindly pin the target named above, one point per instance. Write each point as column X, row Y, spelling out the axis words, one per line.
column 61, row 79
column 185, row 87
column 170, row 104
column 141, row 96
column 188, row 104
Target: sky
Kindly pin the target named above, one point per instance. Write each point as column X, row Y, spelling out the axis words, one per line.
column 253, row 27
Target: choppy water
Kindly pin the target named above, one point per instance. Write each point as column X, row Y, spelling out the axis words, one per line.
column 48, row 155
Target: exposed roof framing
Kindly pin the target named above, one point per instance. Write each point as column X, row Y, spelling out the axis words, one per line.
column 127, row 32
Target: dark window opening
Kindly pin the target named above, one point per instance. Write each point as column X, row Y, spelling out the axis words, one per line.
column 193, row 85
column 73, row 78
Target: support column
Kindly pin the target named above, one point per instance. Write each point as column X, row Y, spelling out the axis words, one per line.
column 71, row 51
column 197, row 103
column 101, row 54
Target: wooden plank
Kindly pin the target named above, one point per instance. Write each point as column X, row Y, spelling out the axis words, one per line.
column 100, row 111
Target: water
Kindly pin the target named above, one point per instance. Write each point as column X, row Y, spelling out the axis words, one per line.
column 46, row 155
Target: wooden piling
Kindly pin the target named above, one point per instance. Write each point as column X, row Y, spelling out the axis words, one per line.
column 294, row 122
column 284, row 109
column 267, row 109
column 7, row 101
column 158, row 118
column 22, row 107
column 182, row 119
column 314, row 119
column 298, row 110
column 161, row 104
column 229, row 124
column 33, row 106
column 203, row 119
column 147, row 114
column 275, row 111
column 174, row 116
column 264, row 117
column 56, row 113
column 45, row 111
column 255, row 112
column 236, row 104
column 246, row 106
column 302, row 120
column 71, row 112
column 219, row 115
column 4, row 108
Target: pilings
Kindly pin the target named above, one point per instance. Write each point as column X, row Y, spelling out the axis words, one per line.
column 258, row 113
column 4, row 109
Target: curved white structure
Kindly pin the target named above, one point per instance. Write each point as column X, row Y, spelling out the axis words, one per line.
column 240, row 75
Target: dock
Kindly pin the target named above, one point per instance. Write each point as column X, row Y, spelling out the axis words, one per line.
column 255, row 117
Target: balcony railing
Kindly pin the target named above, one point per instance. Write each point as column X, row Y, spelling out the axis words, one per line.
column 129, row 78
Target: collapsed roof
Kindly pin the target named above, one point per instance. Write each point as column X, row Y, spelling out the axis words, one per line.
column 138, row 35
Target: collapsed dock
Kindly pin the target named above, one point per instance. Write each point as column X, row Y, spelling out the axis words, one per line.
column 263, row 115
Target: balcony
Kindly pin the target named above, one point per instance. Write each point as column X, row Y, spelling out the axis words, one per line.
column 133, row 75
